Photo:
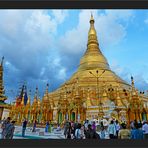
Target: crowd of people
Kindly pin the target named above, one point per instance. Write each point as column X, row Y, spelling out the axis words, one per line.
column 8, row 128
column 105, row 129
column 112, row 130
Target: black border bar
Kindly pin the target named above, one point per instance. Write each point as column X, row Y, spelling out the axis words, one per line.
column 92, row 143
column 74, row 4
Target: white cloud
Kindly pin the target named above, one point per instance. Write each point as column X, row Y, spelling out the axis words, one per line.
column 62, row 74
column 110, row 26
column 27, row 39
column 146, row 21
column 59, row 15
column 140, row 80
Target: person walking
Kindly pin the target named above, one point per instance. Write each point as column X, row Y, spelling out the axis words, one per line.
column 50, row 126
column 4, row 127
column 91, row 134
column 24, row 125
column 117, row 125
column 82, row 132
column 124, row 133
column 69, row 131
column 47, row 126
column 10, row 130
column 137, row 133
column 94, row 126
column 78, row 132
column 66, row 126
column 145, row 129
column 34, row 126
column 86, row 124
column 102, row 132
column 72, row 130
column 112, row 130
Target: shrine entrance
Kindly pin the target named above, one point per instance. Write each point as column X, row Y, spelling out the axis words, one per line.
column 73, row 116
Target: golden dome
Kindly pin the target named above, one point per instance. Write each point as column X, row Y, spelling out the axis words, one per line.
column 93, row 60
column 93, row 57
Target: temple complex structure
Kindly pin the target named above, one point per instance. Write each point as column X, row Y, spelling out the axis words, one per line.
column 3, row 105
column 93, row 92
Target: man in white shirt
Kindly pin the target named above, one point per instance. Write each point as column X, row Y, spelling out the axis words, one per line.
column 145, row 130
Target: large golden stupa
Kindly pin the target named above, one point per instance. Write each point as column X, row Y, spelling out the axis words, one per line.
column 94, row 91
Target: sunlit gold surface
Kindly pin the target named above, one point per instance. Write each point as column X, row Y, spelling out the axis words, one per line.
column 82, row 84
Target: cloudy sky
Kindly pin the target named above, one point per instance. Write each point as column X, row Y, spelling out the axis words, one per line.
column 43, row 46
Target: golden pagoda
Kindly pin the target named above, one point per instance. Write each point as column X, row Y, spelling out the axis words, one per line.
column 2, row 96
column 94, row 90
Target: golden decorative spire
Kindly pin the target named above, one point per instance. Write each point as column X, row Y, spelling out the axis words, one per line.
column 28, row 101
column 39, row 102
column 93, row 57
column 47, row 86
column 22, row 102
column 92, row 35
column 133, row 86
column 45, row 97
column 36, row 95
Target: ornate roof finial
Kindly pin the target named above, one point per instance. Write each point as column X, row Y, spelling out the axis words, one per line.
column 2, row 61
column 36, row 94
column 92, row 19
column 92, row 30
column 29, row 98
column 132, row 80
column 47, row 86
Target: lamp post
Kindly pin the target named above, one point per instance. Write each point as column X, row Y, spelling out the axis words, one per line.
column 98, row 91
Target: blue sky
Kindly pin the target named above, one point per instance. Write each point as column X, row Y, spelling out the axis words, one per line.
column 43, row 46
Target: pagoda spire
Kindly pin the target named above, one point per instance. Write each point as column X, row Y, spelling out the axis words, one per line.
column 36, row 95
column 47, row 86
column 93, row 57
column 133, row 86
column 2, row 61
column 92, row 44
column 28, row 101
column 45, row 97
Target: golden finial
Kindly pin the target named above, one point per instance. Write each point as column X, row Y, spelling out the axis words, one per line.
column 36, row 94
column 92, row 19
column 133, row 85
column 132, row 79
column 47, row 86
column 22, row 102
column 92, row 30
